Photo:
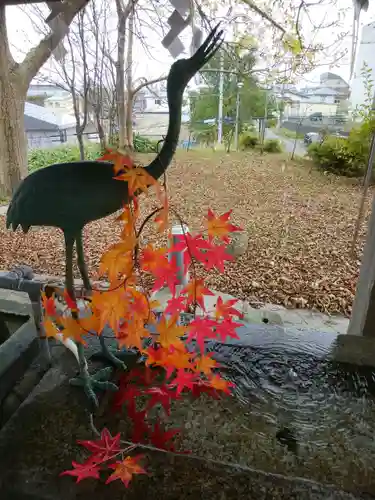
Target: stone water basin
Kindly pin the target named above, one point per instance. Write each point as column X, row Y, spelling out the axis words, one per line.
column 297, row 411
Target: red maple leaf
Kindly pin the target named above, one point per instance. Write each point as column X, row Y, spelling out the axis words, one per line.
column 215, row 257
column 175, row 305
column 225, row 309
column 144, row 376
column 200, row 329
column 183, row 380
column 160, row 395
column 227, row 328
column 192, row 246
column 83, row 471
column 49, row 304
column 140, row 428
column 72, row 304
column 202, row 386
column 104, row 448
column 166, row 276
column 195, row 291
column 160, row 438
column 126, row 394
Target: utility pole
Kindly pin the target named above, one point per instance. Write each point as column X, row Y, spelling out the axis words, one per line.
column 239, row 87
column 221, row 99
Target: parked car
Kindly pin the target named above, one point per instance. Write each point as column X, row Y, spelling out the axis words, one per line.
column 311, row 137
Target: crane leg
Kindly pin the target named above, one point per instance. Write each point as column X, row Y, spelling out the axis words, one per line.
column 98, row 381
column 106, row 353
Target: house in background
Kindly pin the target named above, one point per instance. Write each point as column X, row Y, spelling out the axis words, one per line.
column 45, row 129
column 335, row 82
column 61, row 102
column 151, row 113
column 322, row 99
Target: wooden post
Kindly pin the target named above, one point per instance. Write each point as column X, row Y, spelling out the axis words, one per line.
column 362, row 321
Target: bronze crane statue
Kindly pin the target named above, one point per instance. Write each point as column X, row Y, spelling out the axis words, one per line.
column 70, row 195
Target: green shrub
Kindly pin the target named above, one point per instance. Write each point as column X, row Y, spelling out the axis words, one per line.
column 144, row 144
column 273, row 146
column 271, row 123
column 248, row 140
column 141, row 144
column 40, row 158
column 341, row 156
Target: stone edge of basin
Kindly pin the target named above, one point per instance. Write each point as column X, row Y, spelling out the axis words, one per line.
column 354, row 350
column 18, row 351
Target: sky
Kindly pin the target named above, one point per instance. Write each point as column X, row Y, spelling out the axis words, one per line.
column 158, row 60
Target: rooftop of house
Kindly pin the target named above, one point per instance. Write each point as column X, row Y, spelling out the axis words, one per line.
column 40, row 118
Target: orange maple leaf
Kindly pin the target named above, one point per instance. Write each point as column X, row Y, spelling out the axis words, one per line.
column 118, row 159
column 130, row 334
column 220, row 226
column 118, row 259
column 91, row 322
column 111, row 306
column 155, row 356
column 169, row 332
column 195, row 291
column 205, row 364
column 137, row 178
column 126, row 469
column 154, row 258
column 220, row 384
column 50, row 328
column 179, row 359
column 73, row 329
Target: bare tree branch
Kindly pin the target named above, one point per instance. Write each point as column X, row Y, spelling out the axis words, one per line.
column 37, row 56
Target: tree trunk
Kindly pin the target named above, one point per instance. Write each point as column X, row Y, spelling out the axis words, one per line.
column 120, row 77
column 81, row 146
column 129, row 83
column 14, row 81
column 13, row 162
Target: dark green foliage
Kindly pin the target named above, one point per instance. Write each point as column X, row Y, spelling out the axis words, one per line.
column 40, row 158
column 248, row 140
column 340, row 156
column 273, row 146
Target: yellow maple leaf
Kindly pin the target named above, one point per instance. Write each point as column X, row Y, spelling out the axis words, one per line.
column 169, row 332
column 73, row 329
column 131, row 333
column 111, row 306
column 50, row 328
column 137, row 178
column 205, row 364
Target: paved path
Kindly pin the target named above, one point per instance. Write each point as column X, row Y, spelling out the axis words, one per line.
column 288, row 143
column 3, row 209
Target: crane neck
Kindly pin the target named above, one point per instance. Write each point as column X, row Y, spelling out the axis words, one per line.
column 160, row 164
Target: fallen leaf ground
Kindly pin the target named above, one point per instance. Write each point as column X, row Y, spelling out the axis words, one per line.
column 300, row 225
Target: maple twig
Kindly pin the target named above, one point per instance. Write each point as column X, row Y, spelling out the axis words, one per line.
column 192, row 260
